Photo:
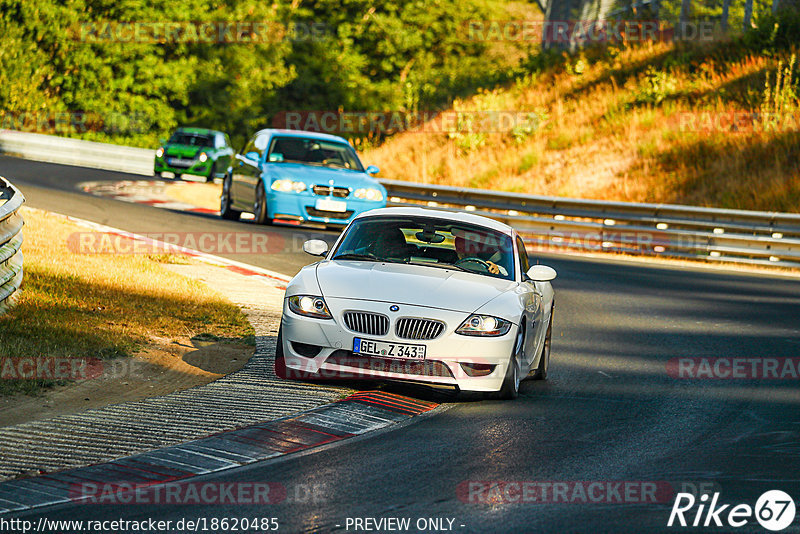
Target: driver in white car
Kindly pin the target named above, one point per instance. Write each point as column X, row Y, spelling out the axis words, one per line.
column 477, row 247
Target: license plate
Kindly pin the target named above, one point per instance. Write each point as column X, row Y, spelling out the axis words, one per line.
column 368, row 347
column 179, row 161
column 327, row 204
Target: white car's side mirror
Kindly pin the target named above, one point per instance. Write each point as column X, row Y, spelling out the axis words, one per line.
column 316, row 247
column 541, row 273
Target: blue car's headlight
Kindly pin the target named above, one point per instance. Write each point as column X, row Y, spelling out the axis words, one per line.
column 309, row 306
column 286, row 186
column 369, row 193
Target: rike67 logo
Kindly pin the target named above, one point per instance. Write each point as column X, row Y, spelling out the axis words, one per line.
column 774, row 510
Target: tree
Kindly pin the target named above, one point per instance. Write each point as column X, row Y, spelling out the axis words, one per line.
column 686, row 8
column 724, row 18
column 748, row 14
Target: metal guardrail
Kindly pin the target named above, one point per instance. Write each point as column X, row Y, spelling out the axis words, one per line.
column 10, row 243
column 547, row 223
column 68, row 151
column 669, row 230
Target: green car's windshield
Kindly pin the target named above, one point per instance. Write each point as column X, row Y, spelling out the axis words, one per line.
column 312, row 151
column 430, row 242
column 181, row 138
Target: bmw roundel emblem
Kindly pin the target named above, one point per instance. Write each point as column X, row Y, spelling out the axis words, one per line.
column 394, row 307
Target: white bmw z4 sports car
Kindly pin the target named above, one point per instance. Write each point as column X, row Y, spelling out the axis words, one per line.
column 420, row 295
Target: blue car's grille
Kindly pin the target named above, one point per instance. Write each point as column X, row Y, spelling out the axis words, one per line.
column 327, row 191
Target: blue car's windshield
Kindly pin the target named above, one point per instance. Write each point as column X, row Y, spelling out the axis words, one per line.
column 430, row 242
column 312, row 151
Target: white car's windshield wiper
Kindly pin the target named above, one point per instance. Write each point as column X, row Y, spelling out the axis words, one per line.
column 438, row 265
column 364, row 257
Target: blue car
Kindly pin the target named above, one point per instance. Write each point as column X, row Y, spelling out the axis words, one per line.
column 294, row 177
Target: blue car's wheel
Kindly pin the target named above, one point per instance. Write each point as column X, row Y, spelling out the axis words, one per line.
column 225, row 209
column 260, row 207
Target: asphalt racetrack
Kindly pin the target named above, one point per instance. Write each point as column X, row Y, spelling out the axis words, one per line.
column 638, row 406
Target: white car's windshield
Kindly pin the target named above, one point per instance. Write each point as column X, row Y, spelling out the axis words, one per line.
column 312, row 151
column 431, row 242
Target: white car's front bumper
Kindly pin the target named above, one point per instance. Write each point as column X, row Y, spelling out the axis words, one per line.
column 444, row 355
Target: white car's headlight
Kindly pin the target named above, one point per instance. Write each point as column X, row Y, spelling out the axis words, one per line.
column 376, row 195
column 309, row 306
column 484, row 325
column 202, row 157
column 160, row 152
column 286, row 186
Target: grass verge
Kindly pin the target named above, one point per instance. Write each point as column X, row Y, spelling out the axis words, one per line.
column 102, row 305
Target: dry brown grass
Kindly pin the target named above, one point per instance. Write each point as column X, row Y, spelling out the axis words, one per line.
column 614, row 126
column 102, row 305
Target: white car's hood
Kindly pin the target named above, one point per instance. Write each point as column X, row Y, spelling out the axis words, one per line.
column 409, row 284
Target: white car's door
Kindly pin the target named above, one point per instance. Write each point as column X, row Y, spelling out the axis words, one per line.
column 532, row 315
column 532, row 304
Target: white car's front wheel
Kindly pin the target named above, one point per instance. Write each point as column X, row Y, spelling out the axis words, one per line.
column 540, row 373
column 510, row 388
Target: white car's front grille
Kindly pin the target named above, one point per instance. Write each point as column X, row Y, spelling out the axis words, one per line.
column 371, row 324
column 413, row 328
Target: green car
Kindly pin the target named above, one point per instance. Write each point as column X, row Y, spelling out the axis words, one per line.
column 195, row 151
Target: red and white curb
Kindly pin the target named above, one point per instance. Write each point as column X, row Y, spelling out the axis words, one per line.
column 274, row 278
column 148, row 192
column 127, row 479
